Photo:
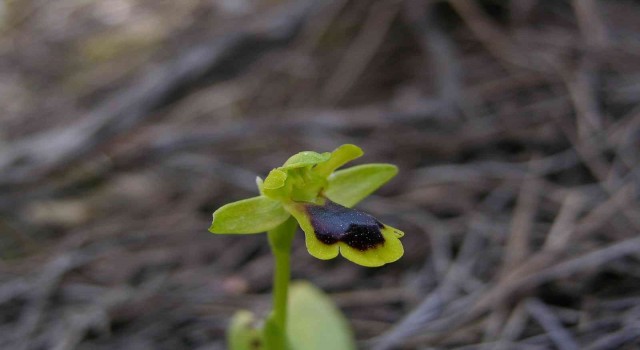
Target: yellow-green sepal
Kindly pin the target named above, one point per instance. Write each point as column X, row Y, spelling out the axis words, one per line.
column 339, row 157
column 252, row 215
column 306, row 158
column 349, row 186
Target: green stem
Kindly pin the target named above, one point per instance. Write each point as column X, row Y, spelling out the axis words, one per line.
column 281, row 288
column 281, row 239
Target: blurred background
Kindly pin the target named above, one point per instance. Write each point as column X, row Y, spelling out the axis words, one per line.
column 515, row 124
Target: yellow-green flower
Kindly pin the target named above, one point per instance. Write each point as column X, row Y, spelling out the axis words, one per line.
column 308, row 187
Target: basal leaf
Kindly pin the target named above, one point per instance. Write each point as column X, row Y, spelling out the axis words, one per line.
column 242, row 333
column 315, row 323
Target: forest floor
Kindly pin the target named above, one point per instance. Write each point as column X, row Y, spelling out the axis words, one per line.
column 515, row 125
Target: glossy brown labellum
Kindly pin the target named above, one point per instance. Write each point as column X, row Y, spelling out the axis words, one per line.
column 333, row 223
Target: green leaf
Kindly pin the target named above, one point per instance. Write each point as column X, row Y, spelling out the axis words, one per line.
column 339, row 157
column 315, row 323
column 349, row 186
column 306, row 158
column 252, row 215
column 242, row 333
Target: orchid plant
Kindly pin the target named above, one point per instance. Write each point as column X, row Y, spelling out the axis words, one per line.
column 308, row 191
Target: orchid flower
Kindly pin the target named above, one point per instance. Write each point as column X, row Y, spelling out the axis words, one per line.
column 309, row 188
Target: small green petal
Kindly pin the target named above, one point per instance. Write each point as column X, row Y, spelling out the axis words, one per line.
column 274, row 180
column 305, row 158
column 252, row 215
column 349, row 186
column 339, row 157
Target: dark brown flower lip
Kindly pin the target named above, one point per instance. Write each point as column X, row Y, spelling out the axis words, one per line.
column 333, row 223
